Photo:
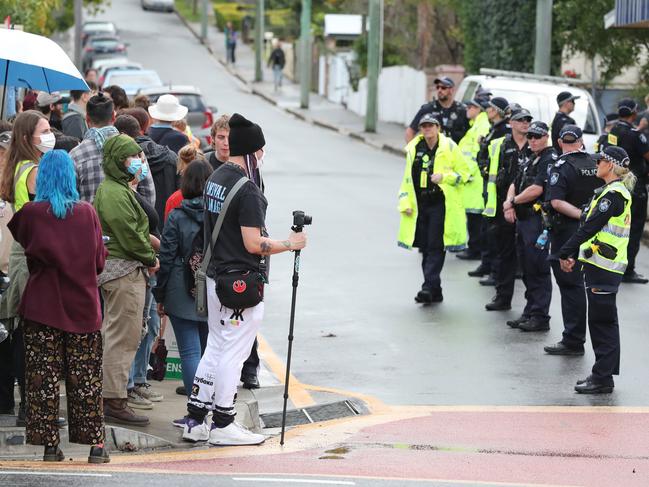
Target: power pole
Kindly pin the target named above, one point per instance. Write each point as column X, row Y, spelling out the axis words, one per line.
column 205, row 5
column 78, row 24
column 543, row 46
column 373, row 64
column 259, row 41
column 305, row 47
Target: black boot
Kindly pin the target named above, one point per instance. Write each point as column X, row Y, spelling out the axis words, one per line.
column 518, row 321
column 480, row 271
column 499, row 303
column 98, row 454
column 53, row 454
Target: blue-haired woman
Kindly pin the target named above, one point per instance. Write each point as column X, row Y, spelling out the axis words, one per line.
column 60, row 307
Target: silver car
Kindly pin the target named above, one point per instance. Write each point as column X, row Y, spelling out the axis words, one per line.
column 163, row 5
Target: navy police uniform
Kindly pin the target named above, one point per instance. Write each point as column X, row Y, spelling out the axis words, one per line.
column 561, row 119
column 454, row 122
column 529, row 225
column 571, row 179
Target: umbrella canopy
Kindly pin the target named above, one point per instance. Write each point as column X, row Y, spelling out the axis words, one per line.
column 36, row 62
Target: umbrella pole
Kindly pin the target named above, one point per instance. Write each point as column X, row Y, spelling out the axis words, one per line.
column 4, row 92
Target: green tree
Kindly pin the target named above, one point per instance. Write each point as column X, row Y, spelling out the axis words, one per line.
column 44, row 16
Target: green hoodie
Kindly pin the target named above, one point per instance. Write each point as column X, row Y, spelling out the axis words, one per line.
column 121, row 216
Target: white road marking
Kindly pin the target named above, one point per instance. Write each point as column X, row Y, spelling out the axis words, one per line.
column 59, row 474
column 294, row 481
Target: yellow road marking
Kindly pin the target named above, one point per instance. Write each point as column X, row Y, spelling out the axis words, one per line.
column 297, row 392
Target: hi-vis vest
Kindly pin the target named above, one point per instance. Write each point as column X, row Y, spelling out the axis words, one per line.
column 494, row 162
column 21, row 193
column 470, row 146
column 615, row 233
column 451, row 165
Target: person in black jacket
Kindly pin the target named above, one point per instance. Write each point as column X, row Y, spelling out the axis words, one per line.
column 276, row 61
column 161, row 159
column 168, row 109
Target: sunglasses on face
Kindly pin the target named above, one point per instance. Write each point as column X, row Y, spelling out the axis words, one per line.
column 601, row 160
column 533, row 136
column 440, row 87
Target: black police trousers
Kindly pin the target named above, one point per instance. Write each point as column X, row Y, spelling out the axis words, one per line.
column 601, row 289
column 638, row 219
column 536, row 267
column 429, row 238
column 474, row 222
column 489, row 251
column 504, row 265
column 571, row 288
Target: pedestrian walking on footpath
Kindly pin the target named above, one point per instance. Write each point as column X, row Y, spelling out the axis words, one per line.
column 600, row 244
column 524, row 206
column 230, row 42
column 430, row 203
column 180, row 251
column 566, row 102
column 571, row 182
column 240, row 246
column 63, row 243
column 31, row 138
column 123, row 282
column 277, row 61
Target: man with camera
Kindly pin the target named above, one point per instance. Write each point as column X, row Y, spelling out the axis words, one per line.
column 235, row 274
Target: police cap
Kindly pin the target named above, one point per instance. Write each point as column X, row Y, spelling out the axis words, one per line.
column 521, row 114
column 428, row 118
column 626, row 107
column 614, row 154
column 444, row 81
column 499, row 103
column 538, row 128
column 570, row 133
column 565, row 96
column 475, row 102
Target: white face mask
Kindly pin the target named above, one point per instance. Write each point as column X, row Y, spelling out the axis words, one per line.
column 260, row 159
column 47, row 142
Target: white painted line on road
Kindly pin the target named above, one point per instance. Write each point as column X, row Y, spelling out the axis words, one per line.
column 57, row 474
column 294, row 481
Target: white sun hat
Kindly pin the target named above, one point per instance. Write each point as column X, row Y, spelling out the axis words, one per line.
column 168, row 109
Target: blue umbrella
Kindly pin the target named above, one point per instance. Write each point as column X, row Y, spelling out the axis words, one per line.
column 36, row 62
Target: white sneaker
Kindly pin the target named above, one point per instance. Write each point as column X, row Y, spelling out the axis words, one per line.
column 195, row 431
column 146, row 392
column 234, row 434
column 136, row 401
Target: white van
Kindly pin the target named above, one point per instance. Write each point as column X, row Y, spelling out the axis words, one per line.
column 539, row 95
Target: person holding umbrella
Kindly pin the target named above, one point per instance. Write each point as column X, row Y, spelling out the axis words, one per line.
column 601, row 245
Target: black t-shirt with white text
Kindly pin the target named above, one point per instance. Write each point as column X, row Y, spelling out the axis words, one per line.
column 247, row 209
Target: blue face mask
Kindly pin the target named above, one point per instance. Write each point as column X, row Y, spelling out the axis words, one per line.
column 135, row 166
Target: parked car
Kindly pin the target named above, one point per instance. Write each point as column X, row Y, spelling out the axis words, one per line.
column 163, row 5
column 133, row 80
column 539, row 95
column 200, row 116
column 130, row 66
column 103, row 46
column 97, row 27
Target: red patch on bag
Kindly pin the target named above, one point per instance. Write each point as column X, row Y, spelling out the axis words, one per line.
column 239, row 286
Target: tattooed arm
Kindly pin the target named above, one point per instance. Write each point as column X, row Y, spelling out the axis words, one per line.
column 256, row 244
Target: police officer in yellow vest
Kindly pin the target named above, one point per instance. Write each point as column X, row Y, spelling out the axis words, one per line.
column 472, row 191
column 430, row 203
column 601, row 245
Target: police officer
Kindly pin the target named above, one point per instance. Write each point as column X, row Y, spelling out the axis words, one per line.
column 571, row 183
column 450, row 113
column 496, row 110
column 635, row 143
column 600, row 244
column 430, row 203
column 523, row 205
column 566, row 102
column 505, row 156
column 472, row 190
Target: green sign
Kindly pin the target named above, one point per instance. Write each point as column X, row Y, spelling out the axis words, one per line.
column 174, row 369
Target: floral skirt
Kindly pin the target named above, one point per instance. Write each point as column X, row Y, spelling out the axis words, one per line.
column 52, row 355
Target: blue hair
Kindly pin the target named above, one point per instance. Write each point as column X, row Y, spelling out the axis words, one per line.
column 56, row 182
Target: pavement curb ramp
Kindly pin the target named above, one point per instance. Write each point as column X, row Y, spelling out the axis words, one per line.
column 360, row 136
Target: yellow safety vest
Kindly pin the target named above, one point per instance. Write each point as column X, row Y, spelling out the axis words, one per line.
column 615, row 233
column 450, row 163
column 470, row 146
column 494, row 163
column 21, row 193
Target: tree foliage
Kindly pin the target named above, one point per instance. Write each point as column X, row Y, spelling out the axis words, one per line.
column 44, row 16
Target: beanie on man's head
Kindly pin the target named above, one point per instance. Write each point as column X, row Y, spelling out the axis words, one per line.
column 245, row 136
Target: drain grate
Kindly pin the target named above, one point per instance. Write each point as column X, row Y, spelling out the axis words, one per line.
column 313, row 414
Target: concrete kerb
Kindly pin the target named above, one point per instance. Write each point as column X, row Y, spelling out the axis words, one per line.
column 360, row 136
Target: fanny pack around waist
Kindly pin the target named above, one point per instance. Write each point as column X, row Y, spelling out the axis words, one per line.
column 240, row 289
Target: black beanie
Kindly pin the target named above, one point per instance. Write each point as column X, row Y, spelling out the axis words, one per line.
column 245, row 137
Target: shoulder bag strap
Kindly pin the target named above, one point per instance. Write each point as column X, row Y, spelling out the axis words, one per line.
column 219, row 221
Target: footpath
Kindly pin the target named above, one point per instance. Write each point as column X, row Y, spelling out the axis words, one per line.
column 321, row 112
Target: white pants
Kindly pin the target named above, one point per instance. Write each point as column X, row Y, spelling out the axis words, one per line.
column 230, row 339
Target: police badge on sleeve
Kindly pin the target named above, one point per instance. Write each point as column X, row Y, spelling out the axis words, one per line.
column 554, row 178
column 604, row 205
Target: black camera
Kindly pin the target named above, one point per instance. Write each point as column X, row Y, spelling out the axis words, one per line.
column 300, row 219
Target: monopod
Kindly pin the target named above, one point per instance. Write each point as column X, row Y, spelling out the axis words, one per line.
column 299, row 221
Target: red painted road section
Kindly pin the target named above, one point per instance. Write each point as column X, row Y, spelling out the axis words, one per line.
column 567, row 449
